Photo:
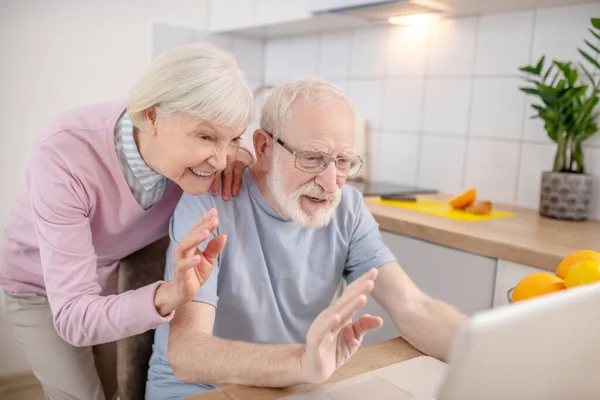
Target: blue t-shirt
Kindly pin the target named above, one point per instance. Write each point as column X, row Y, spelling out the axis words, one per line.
column 273, row 277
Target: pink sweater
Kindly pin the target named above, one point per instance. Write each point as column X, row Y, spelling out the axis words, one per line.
column 73, row 222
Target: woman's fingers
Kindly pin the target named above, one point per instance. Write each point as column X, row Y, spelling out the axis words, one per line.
column 216, row 184
column 186, row 264
column 227, row 180
column 187, row 246
column 238, row 171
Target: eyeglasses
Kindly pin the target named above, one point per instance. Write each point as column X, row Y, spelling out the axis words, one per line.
column 315, row 162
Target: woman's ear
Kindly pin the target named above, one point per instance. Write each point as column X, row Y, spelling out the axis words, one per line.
column 150, row 117
column 261, row 146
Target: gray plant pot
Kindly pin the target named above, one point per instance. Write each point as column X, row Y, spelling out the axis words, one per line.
column 565, row 195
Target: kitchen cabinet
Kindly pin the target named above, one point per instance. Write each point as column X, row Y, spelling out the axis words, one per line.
column 275, row 18
column 235, row 15
column 228, row 15
column 462, row 279
column 508, row 274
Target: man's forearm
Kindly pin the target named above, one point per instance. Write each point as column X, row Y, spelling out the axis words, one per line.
column 429, row 326
column 210, row 360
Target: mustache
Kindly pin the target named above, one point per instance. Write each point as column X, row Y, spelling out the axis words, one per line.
column 311, row 189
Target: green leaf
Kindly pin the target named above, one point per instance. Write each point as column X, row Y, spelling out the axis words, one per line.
column 596, row 22
column 590, row 59
column 540, row 65
column 547, row 74
column 530, row 70
column 595, row 34
column 596, row 49
column 587, row 73
column 530, row 91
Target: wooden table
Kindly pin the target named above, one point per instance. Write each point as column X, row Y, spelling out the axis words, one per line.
column 527, row 238
column 366, row 359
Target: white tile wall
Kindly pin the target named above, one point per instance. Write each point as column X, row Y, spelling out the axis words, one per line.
column 535, row 159
column 249, row 55
column 407, row 50
column 492, row 168
column 498, row 108
column 592, row 165
column 304, row 56
column 367, row 96
column 446, row 107
column 443, row 100
column 403, row 104
column 452, row 47
column 397, row 159
column 504, row 43
column 334, row 55
column 559, row 31
column 442, row 162
column 369, row 53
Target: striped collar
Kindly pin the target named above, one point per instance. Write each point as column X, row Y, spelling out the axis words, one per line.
column 147, row 177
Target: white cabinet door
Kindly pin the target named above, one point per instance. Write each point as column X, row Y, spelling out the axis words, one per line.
column 229, row 15
column 278, row 11
column 462, row 279
column 508, row 274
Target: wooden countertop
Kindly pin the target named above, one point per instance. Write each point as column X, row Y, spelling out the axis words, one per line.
column 366, row 359
column 527, row 238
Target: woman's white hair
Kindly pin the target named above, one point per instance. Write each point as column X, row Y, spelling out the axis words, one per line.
column 276, row 111
column 199, row 79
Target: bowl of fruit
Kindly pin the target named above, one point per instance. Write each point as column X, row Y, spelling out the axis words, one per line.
column 579, row 268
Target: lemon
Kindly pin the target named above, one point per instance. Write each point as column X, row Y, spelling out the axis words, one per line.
column 583, row 273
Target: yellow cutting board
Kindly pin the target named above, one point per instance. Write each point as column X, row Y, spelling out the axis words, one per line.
column 441, row 209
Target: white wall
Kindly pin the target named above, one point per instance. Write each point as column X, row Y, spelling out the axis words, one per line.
column 64, row 53
column 443, row 99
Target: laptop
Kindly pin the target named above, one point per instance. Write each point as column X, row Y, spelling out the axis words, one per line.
column 542, row 349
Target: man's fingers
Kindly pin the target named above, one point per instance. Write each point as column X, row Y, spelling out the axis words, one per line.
column 209, row 214
column 216, row 184
column 347, row 312
column 362, row 288
column 362, row 285
column 238, row 171
column 366, row 324
column 214, row 247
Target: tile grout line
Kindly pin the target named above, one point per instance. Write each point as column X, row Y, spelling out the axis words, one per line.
column 524, row 121
column 471, row 103
column 423, row 102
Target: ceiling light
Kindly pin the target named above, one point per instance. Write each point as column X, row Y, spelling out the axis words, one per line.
column 413, row 19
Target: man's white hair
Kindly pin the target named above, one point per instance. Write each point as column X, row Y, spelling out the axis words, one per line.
column 198, row 79
column 276, row 111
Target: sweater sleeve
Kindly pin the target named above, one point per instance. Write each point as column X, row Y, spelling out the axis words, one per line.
column 60, row 208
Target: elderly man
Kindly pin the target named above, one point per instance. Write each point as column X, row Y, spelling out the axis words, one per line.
column 264, row 316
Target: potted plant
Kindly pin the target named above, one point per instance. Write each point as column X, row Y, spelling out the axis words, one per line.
column 568, row 96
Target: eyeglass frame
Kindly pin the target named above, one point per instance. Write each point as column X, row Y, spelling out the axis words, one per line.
column 328, row 158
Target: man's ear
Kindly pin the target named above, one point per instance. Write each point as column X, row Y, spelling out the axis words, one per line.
column 150, row 117
column 261, row 147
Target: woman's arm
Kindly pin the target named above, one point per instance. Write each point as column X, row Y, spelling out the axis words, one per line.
column 82, row 317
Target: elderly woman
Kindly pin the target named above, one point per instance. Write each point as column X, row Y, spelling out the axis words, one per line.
column 103, row 182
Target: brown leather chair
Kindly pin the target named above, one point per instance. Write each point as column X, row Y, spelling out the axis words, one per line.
column 141, row 268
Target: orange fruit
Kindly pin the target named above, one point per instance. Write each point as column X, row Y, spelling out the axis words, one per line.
column 583, row 273
column 536, row 285
column 574, row 258
column 463, row 200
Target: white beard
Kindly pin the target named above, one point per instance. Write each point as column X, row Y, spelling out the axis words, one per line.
column 291, row 206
